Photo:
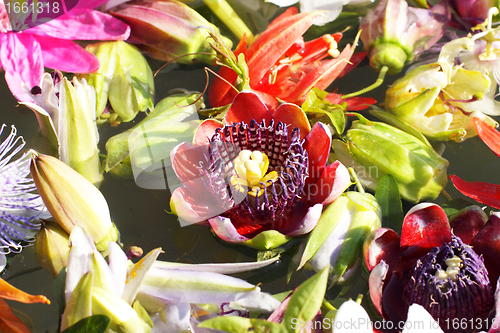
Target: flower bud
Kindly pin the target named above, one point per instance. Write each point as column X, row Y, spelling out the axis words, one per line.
column 338, row 237
column 167, row 30
column 375, row 149
column 124, row 76
column 52, row 248
column 394, row 32
column 66, row 114
column 73, row 200
column 439, row 100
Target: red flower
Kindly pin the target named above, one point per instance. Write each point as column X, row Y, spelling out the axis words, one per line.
column 278, row 194
column 282, row 65
column 437, row 264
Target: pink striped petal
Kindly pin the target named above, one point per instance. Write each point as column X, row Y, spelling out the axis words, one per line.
column 193, row 207
column 225, row 230
column 334, row 180
column 22, row 61
column 67, row 56
column 84, row 24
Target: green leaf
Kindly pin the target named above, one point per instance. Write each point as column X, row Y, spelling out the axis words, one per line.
column 306, row 300
column 58, row 289
column 315, row 103
column 267, row 240
column 454, row 206
column 93, row 324
column 387, row 195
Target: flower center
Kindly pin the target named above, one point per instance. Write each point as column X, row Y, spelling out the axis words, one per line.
column 256, row 172
column 451, row 282
column 251, row 169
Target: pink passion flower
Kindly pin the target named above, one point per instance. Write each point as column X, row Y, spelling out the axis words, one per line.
column 24, row 54
column 448, row 267
column 260, row 178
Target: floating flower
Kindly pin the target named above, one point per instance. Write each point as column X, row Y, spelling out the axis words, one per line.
column 394, row 32
column 19, row 208
column 431, row 266
column 257, row 182
column 50, row 45
column 280, row 64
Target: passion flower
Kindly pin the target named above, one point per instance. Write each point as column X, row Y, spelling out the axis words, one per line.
column 258, row 179
column 430, row 266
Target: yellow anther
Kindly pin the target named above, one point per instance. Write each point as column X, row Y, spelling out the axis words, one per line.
column 251, row 168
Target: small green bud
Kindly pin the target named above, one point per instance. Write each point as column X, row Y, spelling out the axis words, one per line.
column 390, row 55
column 52, row 248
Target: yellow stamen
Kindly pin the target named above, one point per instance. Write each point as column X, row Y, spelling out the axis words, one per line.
column 251, row 172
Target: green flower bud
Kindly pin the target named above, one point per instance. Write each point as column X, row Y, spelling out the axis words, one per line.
column 338, row 237
column 375, row 149
column 73, row 200
column 66, row 115
column 52, row 248
column 440, row 100
column 124, row 76
column 167, row 30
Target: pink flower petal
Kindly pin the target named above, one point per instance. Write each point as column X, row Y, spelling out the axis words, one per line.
column 317, row 144
column 225, row 230
column 84, row 24
column 185, row 161
column 376, row 284
column 67, row 56
column 22, row 61
column 309, row 221
column 381, row 245
column 193, row 207
column 334, row 180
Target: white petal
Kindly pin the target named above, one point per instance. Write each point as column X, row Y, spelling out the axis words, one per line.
column 283, row 3
column 352, row 317
column 420, row 321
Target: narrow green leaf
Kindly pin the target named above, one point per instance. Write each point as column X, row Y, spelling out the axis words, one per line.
column 306, row 300
column 387, row 195
column 93, row 324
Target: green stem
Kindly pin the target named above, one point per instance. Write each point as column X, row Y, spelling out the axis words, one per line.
column 227, row 14
column 356, row 180
column 359, row 299
column 328, row 306
column 377, row 83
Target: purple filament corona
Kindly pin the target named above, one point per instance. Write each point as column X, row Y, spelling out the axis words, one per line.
column 286, row 156
column 468, row 296
column 19, row 207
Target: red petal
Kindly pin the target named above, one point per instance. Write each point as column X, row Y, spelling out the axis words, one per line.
column 353, row 103
column 267, row 54
column 487, row 244
column 355, row 60
column 205, row 131
column 293, row 115
column 334, row 180
column 317, row 144
column 381, row 245
column 321, row 77
column 247, row 105
column 485, row 193
column 468, row 222
column 424, row 227
column 394, row 308
column 489, row 135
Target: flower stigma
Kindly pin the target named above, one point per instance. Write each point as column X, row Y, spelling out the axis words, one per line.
column 251, row 168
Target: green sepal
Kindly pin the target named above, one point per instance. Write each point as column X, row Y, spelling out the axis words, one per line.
column 267, row 240
column 79, row 305
column 92, row 324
